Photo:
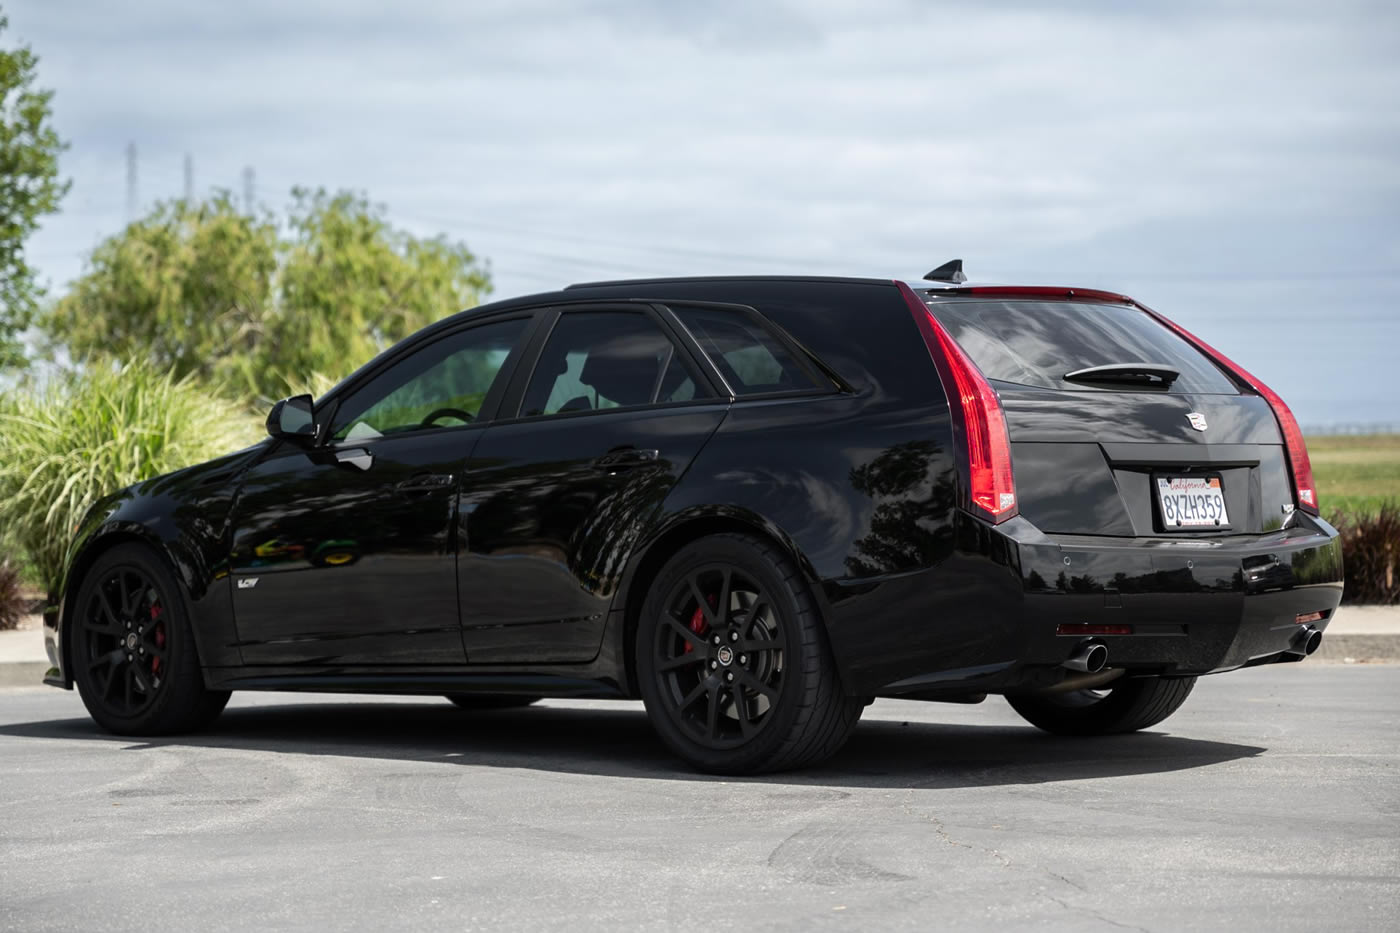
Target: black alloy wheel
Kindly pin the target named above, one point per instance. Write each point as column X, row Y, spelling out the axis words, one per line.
column 1124, row 706
column 733, row 661
column 134, row 658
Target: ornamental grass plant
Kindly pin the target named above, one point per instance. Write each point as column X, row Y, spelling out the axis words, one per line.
column 67, row 441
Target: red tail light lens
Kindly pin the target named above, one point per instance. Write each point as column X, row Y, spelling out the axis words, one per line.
column 979, row 427
column 1305, row 490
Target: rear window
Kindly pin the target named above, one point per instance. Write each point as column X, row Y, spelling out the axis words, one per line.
column 752, row 360
column 1035, row 343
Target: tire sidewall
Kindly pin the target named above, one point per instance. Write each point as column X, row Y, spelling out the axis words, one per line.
column 179, row 654
column 749, row 558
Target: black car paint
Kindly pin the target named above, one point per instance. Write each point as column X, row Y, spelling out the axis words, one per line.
column 856, row 483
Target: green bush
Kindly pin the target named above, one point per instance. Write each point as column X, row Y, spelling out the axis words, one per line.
column 69, row 441
column 13, row 605
column 1371, row 551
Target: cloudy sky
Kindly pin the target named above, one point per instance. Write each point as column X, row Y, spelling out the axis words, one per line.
column 1236, row 165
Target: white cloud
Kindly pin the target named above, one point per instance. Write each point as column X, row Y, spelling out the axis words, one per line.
column 1091, row 144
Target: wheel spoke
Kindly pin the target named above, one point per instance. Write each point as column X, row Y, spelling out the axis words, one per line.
column 108, row 660
column 722, row 606
column 756, row 685
column 691, row 697
column 703, row 602
column 741, row 709
column 712, row 714
column 679, row 661
column 130, row 677
column 684, row 631
column 126, row 594
column 107, row 610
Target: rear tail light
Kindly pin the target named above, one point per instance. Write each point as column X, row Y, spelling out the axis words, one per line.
column 979, row 427
column 1305, row 490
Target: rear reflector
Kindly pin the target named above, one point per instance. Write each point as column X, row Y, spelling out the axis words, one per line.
column 979, row 427
column 1309, row 617
column 1305, row 490
column 1084, row 628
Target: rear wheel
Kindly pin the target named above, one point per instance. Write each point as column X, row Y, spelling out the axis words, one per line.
column 733, row 662
column 132, row 649
column 486, row 701
column 1127, row 707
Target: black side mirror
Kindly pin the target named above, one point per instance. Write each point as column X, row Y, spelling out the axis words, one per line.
column 292, row 419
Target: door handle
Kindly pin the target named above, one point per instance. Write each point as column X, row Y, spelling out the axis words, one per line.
column 423, row 482
column 621, row 458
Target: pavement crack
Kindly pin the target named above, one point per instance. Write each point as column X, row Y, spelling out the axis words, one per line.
column 1088, row 911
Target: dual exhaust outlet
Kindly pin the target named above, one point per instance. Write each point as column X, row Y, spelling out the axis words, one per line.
column 1091, row 657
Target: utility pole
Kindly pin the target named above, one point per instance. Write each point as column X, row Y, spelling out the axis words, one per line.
column 248, row 190
column 189, row 179
column 131, row 202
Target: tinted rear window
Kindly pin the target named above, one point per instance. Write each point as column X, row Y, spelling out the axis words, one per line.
column 1035, row 343
column 751, row 359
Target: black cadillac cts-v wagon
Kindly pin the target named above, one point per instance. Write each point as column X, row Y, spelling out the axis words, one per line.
column 755, row 503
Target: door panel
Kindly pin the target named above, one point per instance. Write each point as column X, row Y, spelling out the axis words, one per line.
column 334, row 564
column 551, row 510
column 347, row 553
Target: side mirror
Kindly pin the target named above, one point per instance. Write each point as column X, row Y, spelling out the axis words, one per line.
column 292, row 419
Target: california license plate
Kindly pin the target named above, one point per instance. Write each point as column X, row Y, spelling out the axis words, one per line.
column 1192, row 501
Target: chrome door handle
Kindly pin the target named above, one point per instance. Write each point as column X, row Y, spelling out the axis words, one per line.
column 424, row 482
column 625, row 457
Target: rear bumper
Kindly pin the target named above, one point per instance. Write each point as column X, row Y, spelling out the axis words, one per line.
column 1195, row 605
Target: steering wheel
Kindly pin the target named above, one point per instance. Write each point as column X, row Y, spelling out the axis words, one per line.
column 445, row 413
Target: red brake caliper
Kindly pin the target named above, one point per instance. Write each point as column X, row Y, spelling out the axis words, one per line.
column 159, row 638
column 697, row 624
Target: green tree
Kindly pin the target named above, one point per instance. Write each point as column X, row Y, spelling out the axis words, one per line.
column 183, row 288
column 259, row 308
column 29, row 188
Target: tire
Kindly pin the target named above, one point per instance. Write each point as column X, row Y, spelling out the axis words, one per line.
column 133, row 652
column 1133, row 705
column 772, row 697
column 489, row 701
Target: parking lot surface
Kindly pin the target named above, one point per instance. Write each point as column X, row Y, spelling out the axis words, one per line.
column 1270, row 802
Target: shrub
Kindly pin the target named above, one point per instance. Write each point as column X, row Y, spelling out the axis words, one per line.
column 13, row 605
column 1371, row 550
column 67, row 442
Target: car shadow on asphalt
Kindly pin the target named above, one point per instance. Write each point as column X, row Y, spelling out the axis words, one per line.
column 618, row 741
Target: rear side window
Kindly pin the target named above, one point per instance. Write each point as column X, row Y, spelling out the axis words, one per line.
column 1035, row 343
column 750, row 358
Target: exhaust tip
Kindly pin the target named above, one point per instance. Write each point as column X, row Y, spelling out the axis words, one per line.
column 1309, row 639
column 1090, row 659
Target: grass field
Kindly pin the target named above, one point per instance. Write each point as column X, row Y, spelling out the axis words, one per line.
column 1355, row 473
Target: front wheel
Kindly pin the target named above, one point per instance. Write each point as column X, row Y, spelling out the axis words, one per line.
column 1127, row 707
column 133, row 651
column 733, row 662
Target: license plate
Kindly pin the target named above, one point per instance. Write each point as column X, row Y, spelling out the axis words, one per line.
column 1192, row 501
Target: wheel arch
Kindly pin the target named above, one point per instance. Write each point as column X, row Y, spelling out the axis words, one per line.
column 103, row 541
column 676, row 534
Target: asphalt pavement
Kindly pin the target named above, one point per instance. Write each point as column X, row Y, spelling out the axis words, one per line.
column 1270, row 802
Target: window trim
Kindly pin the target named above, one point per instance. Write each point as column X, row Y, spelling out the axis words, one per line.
column 328, row 407
column 514, row 396
column 824, row 381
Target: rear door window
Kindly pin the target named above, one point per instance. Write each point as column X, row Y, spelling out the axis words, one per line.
column 750, row 358
column 1035, row 343
column 596, row 360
